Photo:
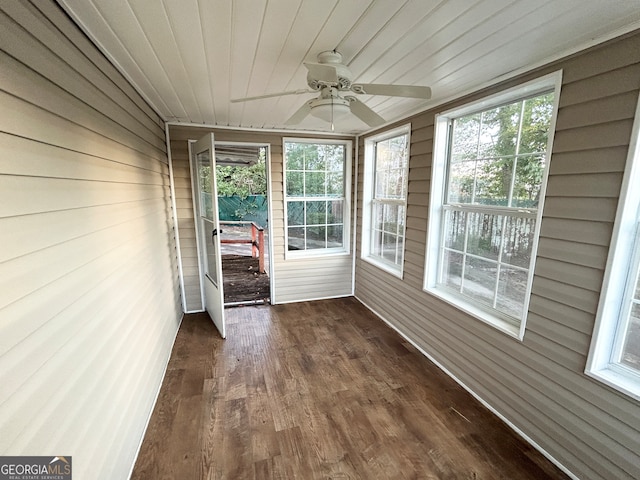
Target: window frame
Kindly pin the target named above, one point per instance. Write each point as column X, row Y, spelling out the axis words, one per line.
column 435, row 231
column 622, row 268
column 369, row 178
column 345, row 249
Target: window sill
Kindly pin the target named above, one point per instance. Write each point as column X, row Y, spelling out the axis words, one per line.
column 617, row 378
column 394, row 270
column 469, row 308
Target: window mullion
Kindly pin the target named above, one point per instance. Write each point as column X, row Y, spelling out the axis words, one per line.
column 499, row 268
column 514, row 166
column 464, row 250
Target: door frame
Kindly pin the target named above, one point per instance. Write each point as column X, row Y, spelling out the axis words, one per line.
column 266, row 145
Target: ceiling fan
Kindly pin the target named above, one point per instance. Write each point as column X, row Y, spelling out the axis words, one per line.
column 334, row 81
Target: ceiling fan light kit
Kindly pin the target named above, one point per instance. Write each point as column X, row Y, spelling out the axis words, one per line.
column 334, row 80
column 330, row 109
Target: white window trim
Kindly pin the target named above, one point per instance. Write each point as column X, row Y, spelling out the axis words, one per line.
column 620, row 264
column 368, row 186
column 548, row 82
column 325, row 252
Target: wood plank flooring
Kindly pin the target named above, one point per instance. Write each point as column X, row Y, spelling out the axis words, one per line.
column 319, row 390
column 243, row 281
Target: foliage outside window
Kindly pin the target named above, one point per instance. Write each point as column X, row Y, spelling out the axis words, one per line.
column 614, row 356
column 242, row 180
column 492, row 186
column 386, row 178
column 242, row 191
column 316, row 192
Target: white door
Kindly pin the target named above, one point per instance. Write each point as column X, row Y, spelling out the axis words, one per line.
column 203, row 173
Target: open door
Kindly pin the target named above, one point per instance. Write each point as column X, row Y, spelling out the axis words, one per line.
column 203, row 172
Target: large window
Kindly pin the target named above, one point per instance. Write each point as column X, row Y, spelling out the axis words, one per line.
column 488, row 182
column 614, row 357
column 385, row 199
column 317, row 179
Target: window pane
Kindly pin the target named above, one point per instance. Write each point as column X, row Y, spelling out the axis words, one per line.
column 389, row 247
column 314, row 158
column 461, row 179
column 316, row 237
column 316, row 213
column 512, row 287
column 390, row 214
column 536, row 123
column 295, row 213
column 499, row 131
column 493, row 181
column 402, row 215
column 526, row 187
column 452, row 269
column 465, row 137
column 519, row 236
column 454, row 229
column 480, row 279
column 296, row 238
column 314, row 184
column 334, row 211
column 334, row 155
column 295, row 184
column 390, row 167
column 294, row 153
column 204, row 173
column 335, row 184
column 376, row 243
column 378, row 216
column 631, row 349
column 484, row 235
column 334, row 236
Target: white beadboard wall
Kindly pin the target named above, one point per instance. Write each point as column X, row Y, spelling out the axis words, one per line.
column 293, row 280
column 89, row 295
column 539, row 384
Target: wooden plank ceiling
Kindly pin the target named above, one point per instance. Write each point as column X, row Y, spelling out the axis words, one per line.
column 188, row 58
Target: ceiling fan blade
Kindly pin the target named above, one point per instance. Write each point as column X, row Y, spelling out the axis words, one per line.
column 365, row 114
column 270, row 95
column 322, row 72
column 300, row 114
column 412, row 91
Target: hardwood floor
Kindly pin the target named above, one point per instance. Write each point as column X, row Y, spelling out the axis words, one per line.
column 319, row 390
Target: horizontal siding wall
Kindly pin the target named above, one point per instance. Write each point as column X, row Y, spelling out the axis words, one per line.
column 89, row 296
column 539, row 384
column 293, row 279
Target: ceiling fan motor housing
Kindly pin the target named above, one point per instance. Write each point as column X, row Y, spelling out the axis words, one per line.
column 343, row 74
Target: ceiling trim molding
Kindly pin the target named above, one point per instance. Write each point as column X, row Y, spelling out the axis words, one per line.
column 265, row 130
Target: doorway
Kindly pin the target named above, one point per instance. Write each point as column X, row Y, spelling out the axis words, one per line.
column 242, row 187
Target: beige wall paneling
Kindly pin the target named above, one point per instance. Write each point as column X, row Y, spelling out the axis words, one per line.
column 89, row 297
column 538, row 385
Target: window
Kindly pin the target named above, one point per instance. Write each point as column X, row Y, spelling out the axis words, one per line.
column 488, row 180
column 614, row 356
column 385, row 192
column 317, row 179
